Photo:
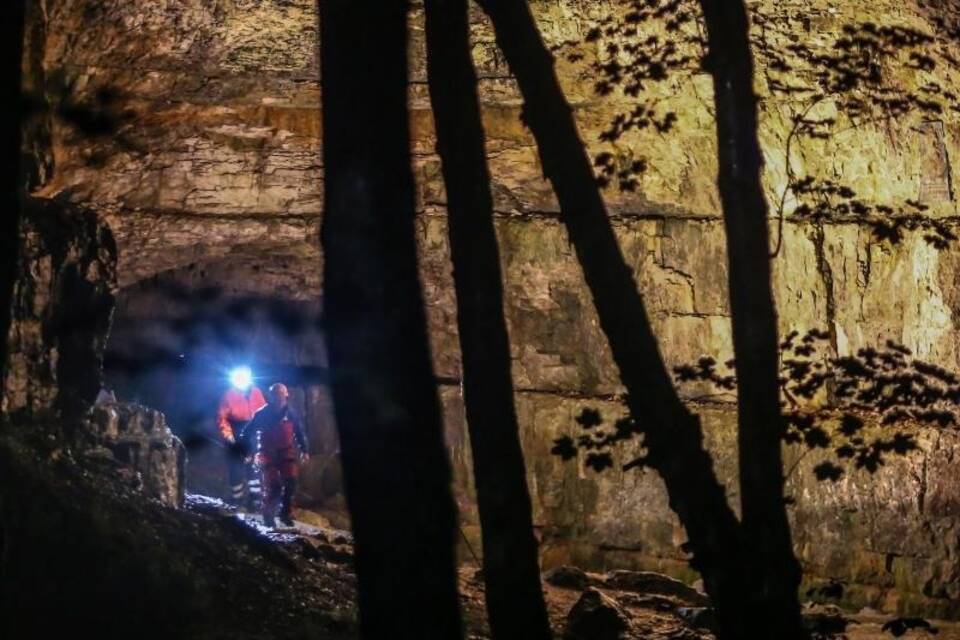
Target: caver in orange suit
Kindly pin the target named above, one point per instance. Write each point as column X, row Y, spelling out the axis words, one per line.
column 235, row 412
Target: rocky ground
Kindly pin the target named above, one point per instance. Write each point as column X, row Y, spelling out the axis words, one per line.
column 80, row 545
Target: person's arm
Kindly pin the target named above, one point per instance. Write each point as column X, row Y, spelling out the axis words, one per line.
column 223, row 422
column 257, row 401
column 249, row 432
column 299, row 434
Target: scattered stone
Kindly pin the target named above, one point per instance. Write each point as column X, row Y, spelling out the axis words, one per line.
column 830, row 590
column 567, row 577
column 698, row 617
column 654, row 602
column 335, row 554
column 655, row 583
column 899, row 626
column 308, row 550
column 825, row 623
column 596, row 617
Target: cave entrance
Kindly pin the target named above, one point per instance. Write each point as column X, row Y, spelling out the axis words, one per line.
column 178, row 334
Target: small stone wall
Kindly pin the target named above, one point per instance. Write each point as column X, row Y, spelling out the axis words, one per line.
column 139, row 438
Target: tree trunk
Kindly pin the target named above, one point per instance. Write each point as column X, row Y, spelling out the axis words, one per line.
column 672, row 435
column 11, row 54
column 396, row 471
column 514, row 597
column 774, row 574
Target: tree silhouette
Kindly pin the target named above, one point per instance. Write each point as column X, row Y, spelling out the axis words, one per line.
column 775, row 572
column 514, row 597
column 396, row 471
column 11, row 52
column 671, row 434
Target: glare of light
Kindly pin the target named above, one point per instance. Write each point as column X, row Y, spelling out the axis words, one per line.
column 241, row 378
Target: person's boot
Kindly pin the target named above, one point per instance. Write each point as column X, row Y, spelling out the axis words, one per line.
column 269, row 522
column 237, row 497
column 254, row 497
column 286, row 503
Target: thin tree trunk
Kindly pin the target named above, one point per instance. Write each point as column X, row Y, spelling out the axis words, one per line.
column 672, row 435
column 397, row 475
column 774, row 575
column 514, row 596
column 11, row 54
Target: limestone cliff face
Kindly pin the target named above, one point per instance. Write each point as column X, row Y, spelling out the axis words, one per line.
column 61, row 312
column 215, row 170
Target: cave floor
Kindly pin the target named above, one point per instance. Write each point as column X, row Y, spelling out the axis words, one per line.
column 83, row 547
column 650, row 615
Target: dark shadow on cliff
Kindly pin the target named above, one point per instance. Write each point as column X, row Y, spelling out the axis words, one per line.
column 396, row 470
column 860, row 71
column 11, row 52
column 671, row 434
column 860, row 407
column 511, row 573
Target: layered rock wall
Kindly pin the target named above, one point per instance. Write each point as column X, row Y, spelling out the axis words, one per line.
column 217, row 162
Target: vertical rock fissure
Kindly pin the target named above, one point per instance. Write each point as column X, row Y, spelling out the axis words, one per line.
column 826, row 274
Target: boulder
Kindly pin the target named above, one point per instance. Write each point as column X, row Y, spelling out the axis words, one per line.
column 567, row 578
column 655, row 583
column 596, row 617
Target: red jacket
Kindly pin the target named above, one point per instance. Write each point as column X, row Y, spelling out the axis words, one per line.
column 236, row 408
column 280, row 431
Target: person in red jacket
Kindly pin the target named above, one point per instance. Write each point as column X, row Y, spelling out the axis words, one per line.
column 238, row 406
column 281, row 434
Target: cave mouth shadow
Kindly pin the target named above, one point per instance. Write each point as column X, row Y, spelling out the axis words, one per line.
column 177, row 335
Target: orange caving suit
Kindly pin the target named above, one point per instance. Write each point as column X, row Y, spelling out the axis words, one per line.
column 280, row 435
column 236, row 410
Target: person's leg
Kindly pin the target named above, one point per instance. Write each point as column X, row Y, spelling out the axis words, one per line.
column 273, row 486
column 289, row 472
column 254, row 488
column 236, row 476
